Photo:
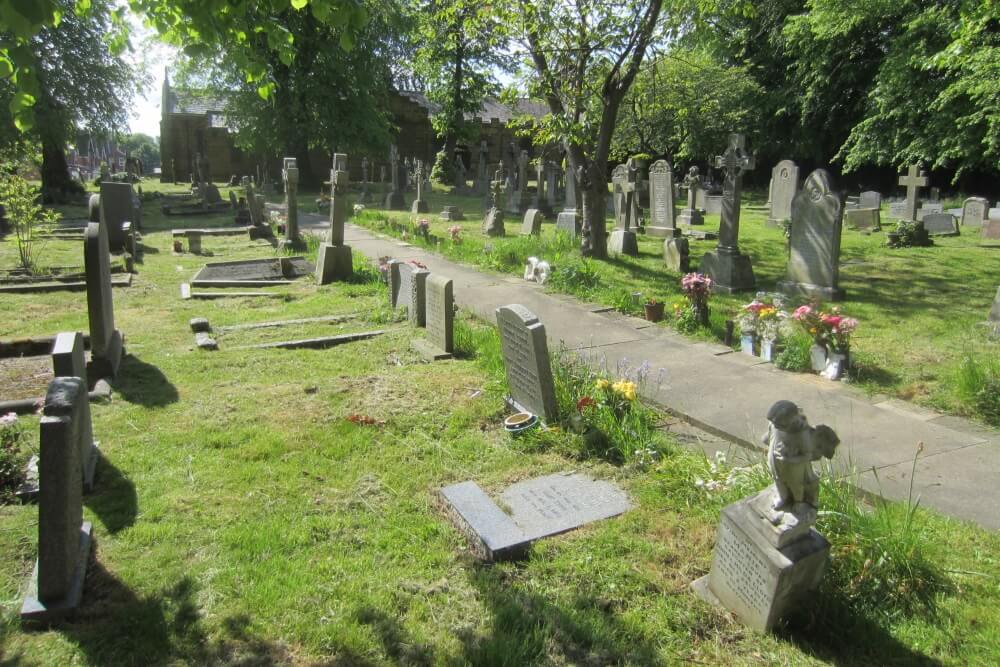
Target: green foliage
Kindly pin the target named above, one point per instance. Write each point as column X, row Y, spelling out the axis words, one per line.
column 27, row 217
column 13, row 455
column 625, row 301
column 144, row 147
column 976, row 382
column 441, row 171
column 795, row 355
column 909, row 235
column 579, row 277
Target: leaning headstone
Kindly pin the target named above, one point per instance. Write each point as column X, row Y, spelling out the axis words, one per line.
column 941, row 224
column 974, row 212
column 568, row 222
column 870, row 199
column 68, row 360
column 731, row 270
column 863, row 219
column 526, row 358
column 814, row 257
column 440, row 317
column 676, row 254
column 768, row 558
column 784, row 185
column 105, row 340
column 530, row 510
column 662, row 223
column 64, row 538
column 532, row 223
column 413, row 292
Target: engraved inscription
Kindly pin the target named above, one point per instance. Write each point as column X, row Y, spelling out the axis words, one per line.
column 742, row 568
column 522, row 374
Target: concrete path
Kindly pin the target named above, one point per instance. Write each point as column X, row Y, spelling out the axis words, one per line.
column 729, row 393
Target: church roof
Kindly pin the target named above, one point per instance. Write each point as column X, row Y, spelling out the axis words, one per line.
column 492, row 107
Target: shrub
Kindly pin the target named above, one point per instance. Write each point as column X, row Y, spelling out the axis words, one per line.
column 13, row 454
column 795, row 355
column 977, row 384
column 27, row 216
column 579, row 277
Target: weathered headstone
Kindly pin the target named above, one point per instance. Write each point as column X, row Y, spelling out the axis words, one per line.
column 440, row 316
column 814, row 258
column 729, row 268
column 290, row 175
column 941, row 224
column 419, row 204
column 974, row 212
column 532, row 509
column 870, row 199
column 692, row 215
column 676, row 254
column 395, row 200
column 413, row 292
column 785, row 183
column 532, row 223
column 913, row 180
column 990, row 230
column 568, row 222
column 929, row 208
column 662, row 222
column 68, row 360
column 623, row 242
column 493, row 224
column 334, row 259
column 452, row 213
column 64, row 538
column 116, row 209
column 394, row 280
column 994, row 318
column 897, row 210
column 863, row 219
column 105, row 340
column 526, row 358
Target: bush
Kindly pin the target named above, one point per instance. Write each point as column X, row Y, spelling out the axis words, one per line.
column 977, row 384
column 795, row 355
column 13, row 455
column 580, row 277
column 27, row 217
column 987, row 402
column 441, row 171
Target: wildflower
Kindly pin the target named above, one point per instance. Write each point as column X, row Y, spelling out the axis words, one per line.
column 602, row 384
column 585, row 402
column 8, row 419
column 625, row 389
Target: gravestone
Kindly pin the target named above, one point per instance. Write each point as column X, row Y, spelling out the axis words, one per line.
column 395, row 200
column 568, row 222
column 394, row 282
column 105, row 340
column 941, row 224
column 452, row 213
column 413, row 292
column 913, row 180
column 334, row 259
column 532, row 509
column 482, row 184
column 623, row 242
column 290, row 175
column 784, row 185
column 532, row 223
column 619, row 175
column 990, row 230
column 526, row 358
column 714, row 204
column 69, row 360
column 458, row 170
column 569, row 178
column 863, row 219
column 676, row 254
column 116, row 209
column 814, row 257
column 493, row 224
column 661, row 201
column 994, row 318
column 729, row 268
column 974, row 212
column 870, row 199
column 897, row 210
column 692, row 214
column 929, row 208
column 420, row 205
column 551, row 183
column 64, row 538
column 440, row 319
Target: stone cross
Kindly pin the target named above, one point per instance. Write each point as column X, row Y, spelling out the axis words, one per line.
column 630, row 191
column 394, row 167
column 570, row 191
column 290, row 175
column 418, row 173
column 735, row 161
column 693, row 184
column 339, row 181
column 913, row 180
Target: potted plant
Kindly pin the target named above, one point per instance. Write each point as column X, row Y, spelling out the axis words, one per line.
column 840, row 329
column 654, row 310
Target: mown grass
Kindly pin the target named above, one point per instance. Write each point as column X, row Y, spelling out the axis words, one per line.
column 920, row 309
column 242, row 519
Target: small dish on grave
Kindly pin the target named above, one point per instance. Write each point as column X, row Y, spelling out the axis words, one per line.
column 252, row 272
column 533, row 509
column 768, row 556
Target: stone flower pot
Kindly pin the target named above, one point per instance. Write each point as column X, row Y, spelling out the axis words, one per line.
column 654, row 311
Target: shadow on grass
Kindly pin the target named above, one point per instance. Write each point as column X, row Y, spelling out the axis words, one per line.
column 144, row 384
column 114, row 500
column 114, row 626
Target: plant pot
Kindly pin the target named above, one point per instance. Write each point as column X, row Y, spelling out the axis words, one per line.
column 837, row 364
column 747, row 344
column 654, row 311
column 520, row 423
column 817, row 358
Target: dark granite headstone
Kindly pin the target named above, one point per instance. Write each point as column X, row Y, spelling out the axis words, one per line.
column 68, row 360
column 526, row 358
column 440, row 317
column 535, row 508
column 105, row 340
column 940, row 224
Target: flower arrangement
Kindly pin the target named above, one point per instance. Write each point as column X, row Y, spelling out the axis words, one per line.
column 831, row 330
column 383, row 267
column 697, row 288
column 358, row 208
column 762, row 317
column 456, row 234
column 423, row 227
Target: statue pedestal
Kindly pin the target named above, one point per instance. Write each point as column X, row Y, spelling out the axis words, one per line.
column 729, row 272
column 623, row 242
column 757, row 581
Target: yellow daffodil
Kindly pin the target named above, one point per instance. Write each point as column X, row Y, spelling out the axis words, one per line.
column 603, row 384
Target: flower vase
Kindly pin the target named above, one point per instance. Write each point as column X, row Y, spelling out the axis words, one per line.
column 747, row 343
column 817, row 357
column 767, row 349
column 836, row 365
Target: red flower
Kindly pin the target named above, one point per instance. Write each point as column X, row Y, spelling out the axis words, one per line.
column 585, row 402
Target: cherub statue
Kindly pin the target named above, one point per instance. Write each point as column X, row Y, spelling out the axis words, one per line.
column 792, row 446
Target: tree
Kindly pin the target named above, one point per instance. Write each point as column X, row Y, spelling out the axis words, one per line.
column 83, row 80
column 461, row 45
column 586, row 54
column 685, row 104
column 320, row 97
column 144, row 147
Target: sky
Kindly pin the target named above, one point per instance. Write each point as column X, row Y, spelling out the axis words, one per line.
column 153, row 56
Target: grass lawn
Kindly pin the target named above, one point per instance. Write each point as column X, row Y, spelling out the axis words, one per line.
column 241, row 518
column 920, row 309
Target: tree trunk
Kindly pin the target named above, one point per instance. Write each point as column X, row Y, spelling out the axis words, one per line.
column 596, row 240
column 57, row 186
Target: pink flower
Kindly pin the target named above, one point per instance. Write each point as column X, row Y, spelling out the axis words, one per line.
column 8, row 419
column 802, row 311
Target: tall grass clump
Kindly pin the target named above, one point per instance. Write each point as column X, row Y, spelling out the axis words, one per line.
column 976, row 383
